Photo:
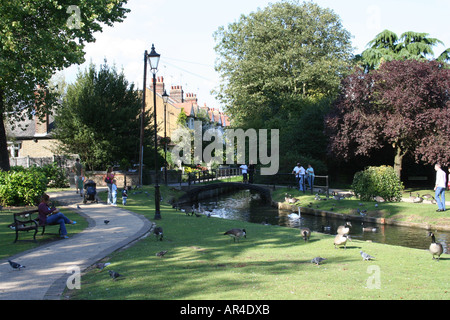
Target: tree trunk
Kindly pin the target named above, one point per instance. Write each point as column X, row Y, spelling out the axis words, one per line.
column 4, row 155
column 398, row 160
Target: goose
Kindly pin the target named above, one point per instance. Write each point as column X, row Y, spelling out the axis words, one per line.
column 427, row 196
column 435, row 248
column 368, row 229
column 418, row 199
column 341, row 240
column 306, row 233
column 236, row 233
column 344, row 229
column 158, row 232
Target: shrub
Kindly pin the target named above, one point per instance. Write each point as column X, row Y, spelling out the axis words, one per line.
column 378, row 181
column 23, row 187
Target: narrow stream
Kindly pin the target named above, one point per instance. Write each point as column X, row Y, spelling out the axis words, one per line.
column 248, row 206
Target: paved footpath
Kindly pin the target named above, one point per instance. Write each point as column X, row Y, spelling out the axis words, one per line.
column 49, row 266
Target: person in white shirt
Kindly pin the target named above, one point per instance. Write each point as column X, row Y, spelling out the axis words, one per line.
column 440, row 186
column 244, row 169
column 299, row 172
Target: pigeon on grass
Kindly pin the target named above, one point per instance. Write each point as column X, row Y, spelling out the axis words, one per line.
column 161, row 253
column 114, row 275
column 365, row 256
column 102, row 266
column 318, row 260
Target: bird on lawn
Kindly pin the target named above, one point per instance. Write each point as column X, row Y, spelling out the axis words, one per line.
column 114, row 275
column 365, row 256
column 15, row 265
column 306, row 233
column 236, row 233
column 318, row 260
column 102, row 266
column 344, row 229
column 435, row 248
column 341, row 240
column 161, row 253
column 158, row 232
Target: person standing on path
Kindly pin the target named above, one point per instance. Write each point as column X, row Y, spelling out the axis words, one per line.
column 244, row 169
column 311, row 175
column 440, row 187
column 78, row 170
column 109, row 180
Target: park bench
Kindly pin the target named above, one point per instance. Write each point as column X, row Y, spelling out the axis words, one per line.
column 28, row 221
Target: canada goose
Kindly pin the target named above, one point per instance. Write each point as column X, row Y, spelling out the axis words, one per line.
column 341, row 240
column 158, row 232
column 344, row 229
column 435, row 248
column 427, row 196
column 368, row 229
column 418, row 199
column 236, row 233
column 306, row 233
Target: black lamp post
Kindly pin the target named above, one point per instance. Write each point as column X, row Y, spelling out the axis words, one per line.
column 165, row 97
column 153, row 59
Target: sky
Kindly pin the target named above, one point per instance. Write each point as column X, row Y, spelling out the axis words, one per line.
column 182, row 32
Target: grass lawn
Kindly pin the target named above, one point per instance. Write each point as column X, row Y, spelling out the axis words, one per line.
column 401, row 211
column 7, row 236
column 272, row 263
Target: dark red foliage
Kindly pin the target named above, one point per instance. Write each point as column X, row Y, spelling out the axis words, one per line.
column 404, row 104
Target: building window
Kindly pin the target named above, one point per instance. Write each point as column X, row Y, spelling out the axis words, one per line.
column 14, row 149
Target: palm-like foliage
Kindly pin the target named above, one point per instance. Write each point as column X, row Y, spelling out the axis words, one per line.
column 387, row 46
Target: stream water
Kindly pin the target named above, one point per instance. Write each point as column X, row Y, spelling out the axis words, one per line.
column 248, row 206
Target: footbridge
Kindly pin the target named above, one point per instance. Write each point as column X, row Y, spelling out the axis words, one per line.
column 195, row 193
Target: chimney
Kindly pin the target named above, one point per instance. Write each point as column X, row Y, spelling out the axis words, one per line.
column 40, row 128
column 160, row 85
column 176, row 94
column 190, row 97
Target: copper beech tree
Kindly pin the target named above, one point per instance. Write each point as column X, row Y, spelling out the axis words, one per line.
column 404, row 105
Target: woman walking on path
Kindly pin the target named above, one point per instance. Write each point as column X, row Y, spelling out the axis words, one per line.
column 109, row 180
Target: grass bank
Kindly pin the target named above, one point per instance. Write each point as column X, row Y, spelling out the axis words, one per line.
column 272, row 263
column 7, row 235
column 422, row 213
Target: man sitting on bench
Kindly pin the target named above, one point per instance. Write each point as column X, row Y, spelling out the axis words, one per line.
column 48, row 216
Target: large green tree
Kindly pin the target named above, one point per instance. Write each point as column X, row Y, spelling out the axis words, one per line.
column 387, row 46
column 99, row 119
column 38, row 38
column 273, row 57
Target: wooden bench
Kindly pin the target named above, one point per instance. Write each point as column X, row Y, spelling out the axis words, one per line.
column 24, row 221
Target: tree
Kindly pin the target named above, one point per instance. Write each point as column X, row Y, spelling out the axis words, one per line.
column 404, row 105
column 276, row 55
column 38, row 38
column 99, row 119
column 387, row 46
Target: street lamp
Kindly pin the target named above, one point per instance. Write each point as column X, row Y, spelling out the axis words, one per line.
column 165, row 97
column 153, row 59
